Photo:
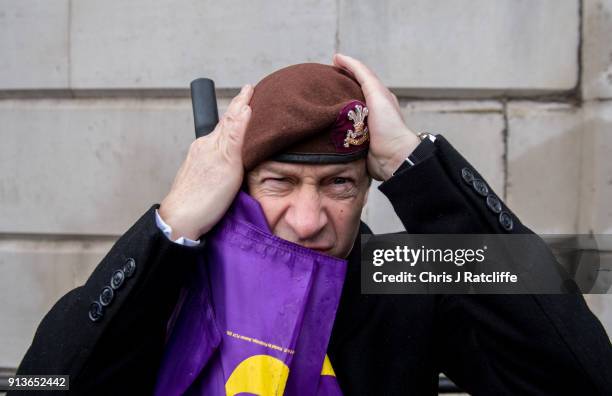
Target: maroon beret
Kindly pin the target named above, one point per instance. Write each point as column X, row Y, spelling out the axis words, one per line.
column 309, row 113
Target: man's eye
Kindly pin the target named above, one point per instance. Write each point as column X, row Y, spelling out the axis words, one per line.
column 276, row 179
column 339, row 180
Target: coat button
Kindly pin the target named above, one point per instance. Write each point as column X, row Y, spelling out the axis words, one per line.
column 467, row 175
column 117, row 279
column 129, row 267
column 506, row 221
column 480, row 187
column 96, row 311
column 493, row 203
column 106, row 296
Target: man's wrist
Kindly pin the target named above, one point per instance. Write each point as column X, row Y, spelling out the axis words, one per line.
column 179, row 227
column 404, row 149
column 424, row 149
column 168, row 231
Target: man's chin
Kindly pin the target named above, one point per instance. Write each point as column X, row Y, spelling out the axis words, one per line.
column 339, row 254
column 329, row 252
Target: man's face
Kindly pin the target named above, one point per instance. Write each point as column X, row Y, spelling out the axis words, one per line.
column 316, row 206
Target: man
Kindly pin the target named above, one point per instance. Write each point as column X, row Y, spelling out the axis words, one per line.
column 311, row 183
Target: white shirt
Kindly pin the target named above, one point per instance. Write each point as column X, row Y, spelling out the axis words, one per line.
column 167, row 230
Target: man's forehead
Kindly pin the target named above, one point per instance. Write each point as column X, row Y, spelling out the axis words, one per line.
column 355, row 167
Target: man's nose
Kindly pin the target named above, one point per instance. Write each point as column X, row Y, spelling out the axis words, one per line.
column 306, row 216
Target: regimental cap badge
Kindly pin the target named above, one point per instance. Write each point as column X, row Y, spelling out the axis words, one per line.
column 359, row 134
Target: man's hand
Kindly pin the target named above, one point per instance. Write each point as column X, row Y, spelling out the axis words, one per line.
column 390, row 139
column 211, row 175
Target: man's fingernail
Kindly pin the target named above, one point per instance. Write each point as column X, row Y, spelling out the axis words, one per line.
column 244, row 109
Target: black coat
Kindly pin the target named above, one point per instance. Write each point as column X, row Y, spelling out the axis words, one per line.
column 380, row 344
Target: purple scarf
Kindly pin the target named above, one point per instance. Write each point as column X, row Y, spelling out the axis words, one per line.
column 256, row 317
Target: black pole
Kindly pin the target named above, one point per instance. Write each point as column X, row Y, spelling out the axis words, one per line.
column 204, row 102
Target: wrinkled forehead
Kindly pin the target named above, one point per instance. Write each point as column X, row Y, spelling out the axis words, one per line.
column 354, row 168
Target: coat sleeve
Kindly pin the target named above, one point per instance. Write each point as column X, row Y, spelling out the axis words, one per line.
column 112, row 330
column 498, row 344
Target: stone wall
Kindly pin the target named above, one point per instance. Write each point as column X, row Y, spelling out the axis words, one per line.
column 95, row 115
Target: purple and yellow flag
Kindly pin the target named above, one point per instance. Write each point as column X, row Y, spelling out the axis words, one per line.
column 257, row 316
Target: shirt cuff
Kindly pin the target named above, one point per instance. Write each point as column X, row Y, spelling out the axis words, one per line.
column 167, row 230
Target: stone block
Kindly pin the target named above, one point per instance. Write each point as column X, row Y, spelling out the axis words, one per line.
column 597, row 49
column 34, row 44
column 595, row 210
column 88, row 166
column 465, row 45
column 544, row 165
column 474, row 128
column 34, row 274
column 166, row 44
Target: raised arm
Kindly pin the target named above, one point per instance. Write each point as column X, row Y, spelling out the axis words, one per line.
column 112, row 329
column 488, row 344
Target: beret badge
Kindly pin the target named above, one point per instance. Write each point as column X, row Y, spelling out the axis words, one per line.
column 359, row 134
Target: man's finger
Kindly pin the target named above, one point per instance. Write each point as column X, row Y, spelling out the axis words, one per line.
column 365, row 77
column 239, row 128
column 233, row 112
column 240, row 100
column 232, row 134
